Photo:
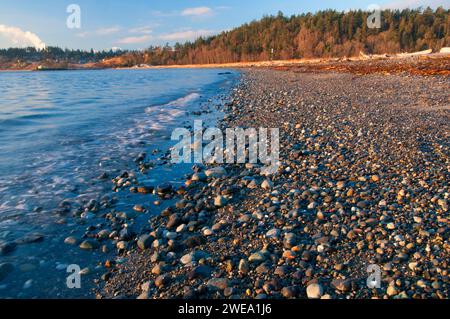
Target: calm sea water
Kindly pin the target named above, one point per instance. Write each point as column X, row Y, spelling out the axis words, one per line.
column 58, row 132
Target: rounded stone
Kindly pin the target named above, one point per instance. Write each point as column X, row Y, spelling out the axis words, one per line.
column 314, row 291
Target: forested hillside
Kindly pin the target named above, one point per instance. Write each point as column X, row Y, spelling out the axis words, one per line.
column 55, row 53
column 323, row 34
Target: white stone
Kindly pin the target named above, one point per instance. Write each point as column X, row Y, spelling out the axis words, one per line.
column 181, row 228
column 171, row 235
column 216, row 172
column 208, row 232
column 220, row 201
column 266, row 184
column 273, row 233
column 314, row 291
column 390, row 226
column 186, row 259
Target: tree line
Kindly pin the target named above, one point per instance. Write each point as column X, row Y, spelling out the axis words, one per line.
column 56, row 54
column 323, row 34
column 326, row 33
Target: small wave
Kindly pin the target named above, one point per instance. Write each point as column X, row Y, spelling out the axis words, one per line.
column 41, row 116
column 163, row 115
column 180, row 102
column 14, row 122
column 157, row 122
column 28, row 119
column 185, row 100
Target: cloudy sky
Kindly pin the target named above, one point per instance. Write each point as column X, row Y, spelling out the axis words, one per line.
column 136, row 24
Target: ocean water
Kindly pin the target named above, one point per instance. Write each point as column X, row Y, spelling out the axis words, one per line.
column 59, row 131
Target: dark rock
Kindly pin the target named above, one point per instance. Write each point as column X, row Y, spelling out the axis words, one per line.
column 30, row 238
column 264, row 268
column 145, row 189
column 161, row 281
column 7, row 247
column 145, row 242
column 289, row 292
column 164, row 188
column 189, row 293
column 126, row 234
column 106, row 276
column 201, row 272
column 218, row 283
column 342, row 285
column 174, row 221
column 193, row 241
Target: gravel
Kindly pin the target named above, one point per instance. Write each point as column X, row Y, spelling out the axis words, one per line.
column 363, row 180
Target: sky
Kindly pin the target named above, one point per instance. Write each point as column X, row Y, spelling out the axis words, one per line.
column 137, row 24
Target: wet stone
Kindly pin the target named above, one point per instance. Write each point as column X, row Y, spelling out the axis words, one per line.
column 7, row 248
column 30, row 238
column 71, row 240
column 88, row 245
column 164, row 188
column 174, row 221
column 145, row 242
column 145, row 189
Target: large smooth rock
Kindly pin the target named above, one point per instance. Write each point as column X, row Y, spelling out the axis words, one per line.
column 314, row 291
column 145, row 242
column 216, row 172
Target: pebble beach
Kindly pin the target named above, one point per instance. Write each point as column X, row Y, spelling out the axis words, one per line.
column 363, row 182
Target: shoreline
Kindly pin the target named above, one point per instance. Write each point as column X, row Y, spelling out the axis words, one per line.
column 420, row 64
column 117, row 197
column 311, row 230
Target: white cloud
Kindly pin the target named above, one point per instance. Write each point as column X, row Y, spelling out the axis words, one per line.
column 135, row 40
column 107, row 31
column 198, row 11
column 21, row 38
column 142, row 30
column 186, row 35
column 100, row 31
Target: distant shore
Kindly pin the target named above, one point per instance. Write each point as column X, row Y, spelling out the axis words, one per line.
column 423, row 64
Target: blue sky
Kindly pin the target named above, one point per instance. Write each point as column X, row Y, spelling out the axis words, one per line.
column 136, row 24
